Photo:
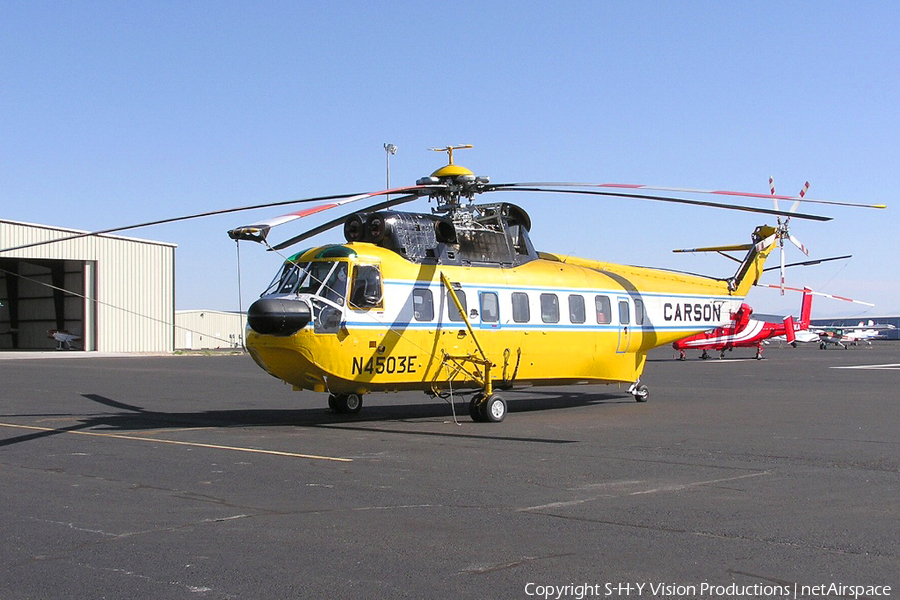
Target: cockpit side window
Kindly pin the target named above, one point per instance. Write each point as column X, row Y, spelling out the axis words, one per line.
column 366, row 290
column 335, row 288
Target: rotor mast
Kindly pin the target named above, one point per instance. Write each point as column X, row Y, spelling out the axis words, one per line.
column 460, row 182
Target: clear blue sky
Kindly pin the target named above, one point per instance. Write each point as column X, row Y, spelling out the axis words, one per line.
column 120, row 112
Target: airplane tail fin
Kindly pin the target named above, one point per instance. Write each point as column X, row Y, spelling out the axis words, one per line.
column 789, row 329
column 806, row 308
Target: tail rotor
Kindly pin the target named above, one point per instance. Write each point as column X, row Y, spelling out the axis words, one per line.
column 783, row 231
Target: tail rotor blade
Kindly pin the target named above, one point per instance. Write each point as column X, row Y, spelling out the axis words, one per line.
column 800, row 197
column 799, row 245
column 782, row 267
column 760, row 246
column 772, row 190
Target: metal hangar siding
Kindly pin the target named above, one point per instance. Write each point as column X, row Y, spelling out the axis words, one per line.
column 116, row 294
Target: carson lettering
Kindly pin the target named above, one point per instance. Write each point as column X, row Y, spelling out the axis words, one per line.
column 692, row 311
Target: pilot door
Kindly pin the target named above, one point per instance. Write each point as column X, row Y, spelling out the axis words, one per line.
column 329, row 301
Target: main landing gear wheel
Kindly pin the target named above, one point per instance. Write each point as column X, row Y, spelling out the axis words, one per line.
column 492, row 410
column 641, row 393
column 476, row 408
column 495, row 409
column 345, row 403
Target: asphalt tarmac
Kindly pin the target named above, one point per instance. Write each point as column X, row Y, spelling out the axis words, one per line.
column 203, row 477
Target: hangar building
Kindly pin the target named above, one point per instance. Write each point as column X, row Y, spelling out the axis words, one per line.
column 209, row 329
column 108, row 293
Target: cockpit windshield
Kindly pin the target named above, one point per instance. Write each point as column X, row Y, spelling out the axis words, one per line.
column 286, row 279
column 325, row 279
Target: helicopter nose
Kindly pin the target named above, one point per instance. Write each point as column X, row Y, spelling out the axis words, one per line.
column 278, row 316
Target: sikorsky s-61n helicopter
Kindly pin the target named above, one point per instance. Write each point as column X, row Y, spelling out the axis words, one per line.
column 459, row 298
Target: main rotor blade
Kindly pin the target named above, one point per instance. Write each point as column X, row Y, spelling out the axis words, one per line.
column 174, row 220
column 521, row 188
column 634, row 186
column 807, row 263
column 212, row 213
column 732, row 248
column 340, row 220
column 832, row 296
column 258, row 231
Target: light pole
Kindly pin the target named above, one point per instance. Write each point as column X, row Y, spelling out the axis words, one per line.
column 388, row 150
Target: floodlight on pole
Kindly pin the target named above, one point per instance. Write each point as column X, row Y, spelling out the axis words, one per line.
column 388, row 150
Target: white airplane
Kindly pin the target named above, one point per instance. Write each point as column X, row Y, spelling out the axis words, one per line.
column 803, row 336
column 852, row 335
column 64, row 339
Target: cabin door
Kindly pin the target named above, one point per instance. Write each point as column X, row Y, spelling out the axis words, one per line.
column 624, row 313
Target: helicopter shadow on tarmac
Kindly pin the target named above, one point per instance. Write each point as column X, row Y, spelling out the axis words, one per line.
column 131, row 418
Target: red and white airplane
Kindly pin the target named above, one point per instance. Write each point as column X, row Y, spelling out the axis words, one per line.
column 746, row 332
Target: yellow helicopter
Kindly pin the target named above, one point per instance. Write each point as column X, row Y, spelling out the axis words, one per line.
column 459, row 299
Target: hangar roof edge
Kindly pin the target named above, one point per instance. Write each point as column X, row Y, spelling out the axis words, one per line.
column 103, row 235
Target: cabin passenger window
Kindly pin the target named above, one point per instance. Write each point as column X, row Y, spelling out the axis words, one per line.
column 521, row 310
column 423, row 304
column 576, row 308
column 366, row 289
column 624, row 313
column 452, row 313
column 638, row 312
column 549, row 308
column 490, row 307
column 604, row 310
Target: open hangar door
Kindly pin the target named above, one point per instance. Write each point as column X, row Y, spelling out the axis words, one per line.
column 43, row 297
